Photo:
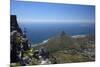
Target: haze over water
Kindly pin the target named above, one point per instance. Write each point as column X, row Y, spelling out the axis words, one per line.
column 40, row 32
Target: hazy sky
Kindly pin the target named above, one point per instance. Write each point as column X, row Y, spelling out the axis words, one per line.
column 47, row 12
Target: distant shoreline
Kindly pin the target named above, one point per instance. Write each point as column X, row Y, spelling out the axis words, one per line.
column 73, row 36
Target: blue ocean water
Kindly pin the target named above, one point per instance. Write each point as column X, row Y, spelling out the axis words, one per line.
column 38, row 32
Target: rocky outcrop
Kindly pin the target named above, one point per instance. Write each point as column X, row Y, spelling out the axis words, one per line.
column 14, row 24
column 19, row 42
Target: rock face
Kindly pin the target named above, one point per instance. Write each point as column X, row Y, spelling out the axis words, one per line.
column 19, row 42
column 14, row 24
column 13, row 27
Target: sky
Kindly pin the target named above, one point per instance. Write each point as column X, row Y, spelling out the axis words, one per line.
column 36, row 12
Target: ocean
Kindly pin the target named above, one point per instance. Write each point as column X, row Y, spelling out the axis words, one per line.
column 38, row 32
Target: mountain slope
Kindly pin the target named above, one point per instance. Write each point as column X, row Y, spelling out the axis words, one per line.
column 60, row 42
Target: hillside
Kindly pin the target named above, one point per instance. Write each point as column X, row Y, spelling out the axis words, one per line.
column 60, row 42
column 67, row 49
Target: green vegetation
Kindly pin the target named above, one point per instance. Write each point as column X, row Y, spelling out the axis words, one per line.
column 64, row 49
column 69, row 58
column 69, row 50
